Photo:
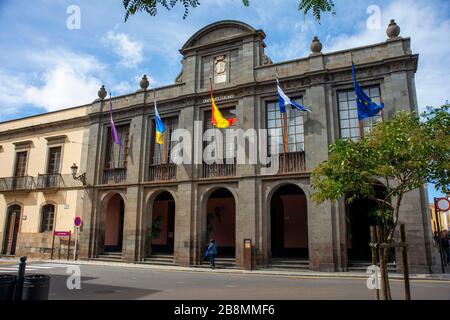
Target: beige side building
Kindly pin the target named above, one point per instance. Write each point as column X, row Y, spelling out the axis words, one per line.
column 38, row 193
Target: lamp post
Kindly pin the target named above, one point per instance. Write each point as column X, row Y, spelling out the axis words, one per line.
column 81, row 177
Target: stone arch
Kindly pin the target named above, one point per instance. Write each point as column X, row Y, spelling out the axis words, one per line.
column 200, row 37
column 165, row 201
column 228, row 245
column 111, row 222
column 287, row 240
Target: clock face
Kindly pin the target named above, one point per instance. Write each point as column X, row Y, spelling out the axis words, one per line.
column 220, row 67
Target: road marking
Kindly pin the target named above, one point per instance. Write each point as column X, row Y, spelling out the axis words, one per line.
column 57, row 265
column 15, row 269
column 39, row 267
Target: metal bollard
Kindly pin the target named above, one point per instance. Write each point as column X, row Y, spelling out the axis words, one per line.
column 20, row 278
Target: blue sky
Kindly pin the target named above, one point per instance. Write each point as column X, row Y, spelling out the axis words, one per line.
column 44, row 66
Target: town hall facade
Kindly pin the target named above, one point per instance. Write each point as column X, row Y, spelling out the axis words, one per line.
column 137, row 205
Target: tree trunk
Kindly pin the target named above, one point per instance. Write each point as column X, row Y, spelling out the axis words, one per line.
column 386, row 274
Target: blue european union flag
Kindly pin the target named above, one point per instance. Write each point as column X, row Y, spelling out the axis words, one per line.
column 365, row 105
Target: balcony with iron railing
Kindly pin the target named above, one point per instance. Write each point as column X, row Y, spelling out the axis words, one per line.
column 162, row 172
column 17, row 184
column 291, row 162
column 49, row 182
column 216, row 170
column 114, row 176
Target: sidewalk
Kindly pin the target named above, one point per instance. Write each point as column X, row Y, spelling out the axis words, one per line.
column 261, row 272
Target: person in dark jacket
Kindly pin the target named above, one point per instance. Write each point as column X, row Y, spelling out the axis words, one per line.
column 445, row 246
column 212, row 253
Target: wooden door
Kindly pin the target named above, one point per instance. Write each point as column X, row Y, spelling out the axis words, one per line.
column 12, row 230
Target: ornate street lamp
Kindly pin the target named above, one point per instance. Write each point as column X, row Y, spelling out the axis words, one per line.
column 81, row 177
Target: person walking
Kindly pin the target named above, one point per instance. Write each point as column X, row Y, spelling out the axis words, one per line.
column 445, row 246
column 212, row 253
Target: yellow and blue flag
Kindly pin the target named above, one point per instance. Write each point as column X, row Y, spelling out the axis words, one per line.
column 160, row 127
column 366, row 106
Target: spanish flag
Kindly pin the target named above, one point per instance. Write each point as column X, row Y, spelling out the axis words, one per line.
column 217, row 119
column 160, row 127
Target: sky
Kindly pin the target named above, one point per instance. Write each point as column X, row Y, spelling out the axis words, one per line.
column 46, row 65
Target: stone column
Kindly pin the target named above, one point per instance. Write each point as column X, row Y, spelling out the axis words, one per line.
column 130, row 242
column 246, row 213
column 320, row 221
column 183, row 226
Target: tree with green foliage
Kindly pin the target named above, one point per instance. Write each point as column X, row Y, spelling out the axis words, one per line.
column 398, row 155
column 151, row 6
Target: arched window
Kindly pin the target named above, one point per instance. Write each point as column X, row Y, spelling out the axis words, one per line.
column 48, row 215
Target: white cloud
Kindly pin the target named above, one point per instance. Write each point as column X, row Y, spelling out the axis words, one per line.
column 429, row 28
column 65, row 80
column 130, row 52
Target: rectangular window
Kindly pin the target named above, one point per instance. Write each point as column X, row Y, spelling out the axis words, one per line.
column 21, row 164
column 48, row 215
column 117, row 156
column 295, row 126
column 162, row 153
column 348, row 115
column 229, row 148
column 54, row 160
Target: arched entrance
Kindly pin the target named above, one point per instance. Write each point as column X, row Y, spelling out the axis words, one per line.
column 160, row 225
column 359, row 221
column 12, row 229
column 361, row 215
column 289, row 223
column 221, row 222
column 114, row 219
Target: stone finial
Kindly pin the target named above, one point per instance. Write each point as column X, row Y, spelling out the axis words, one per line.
column 102, row 93
column 316, row 46
column 144, row 83
column 393, row 30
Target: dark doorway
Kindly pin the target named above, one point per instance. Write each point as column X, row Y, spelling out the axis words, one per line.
column 12, row 229
column 115, row 214
column 221, row 222
column 163, row 224
column 289, row 223
column 359, row 230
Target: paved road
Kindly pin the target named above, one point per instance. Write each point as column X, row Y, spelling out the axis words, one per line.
column 110, row 282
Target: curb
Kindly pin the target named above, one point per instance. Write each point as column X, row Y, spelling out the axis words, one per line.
column 258, row 272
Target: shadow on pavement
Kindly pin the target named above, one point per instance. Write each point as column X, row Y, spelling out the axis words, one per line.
column 91, row 291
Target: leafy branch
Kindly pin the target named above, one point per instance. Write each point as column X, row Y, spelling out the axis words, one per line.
column 317, row 7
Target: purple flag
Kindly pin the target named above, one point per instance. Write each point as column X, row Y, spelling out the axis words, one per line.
column 114, row 133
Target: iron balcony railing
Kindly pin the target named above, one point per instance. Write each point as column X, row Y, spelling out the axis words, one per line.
column 292, row 162
column 49, row 181
column 111, row 176
column 25, row 183
column 162, row 172
column 219, row 170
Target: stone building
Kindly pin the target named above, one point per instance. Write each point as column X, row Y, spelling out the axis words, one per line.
column 139, row 206
column 38, row 193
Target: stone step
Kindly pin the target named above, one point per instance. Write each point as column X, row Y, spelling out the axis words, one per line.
column 111, row 254
column 165, row 260
column 229, row 263
column 108, row 257
column 290, row 262
column 362, row 267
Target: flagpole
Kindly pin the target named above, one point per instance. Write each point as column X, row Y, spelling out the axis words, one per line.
column 285, row 136
column 165, row 146
column 214, row 129
column 156, row 144
column 113, row 144
column 283, row 119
